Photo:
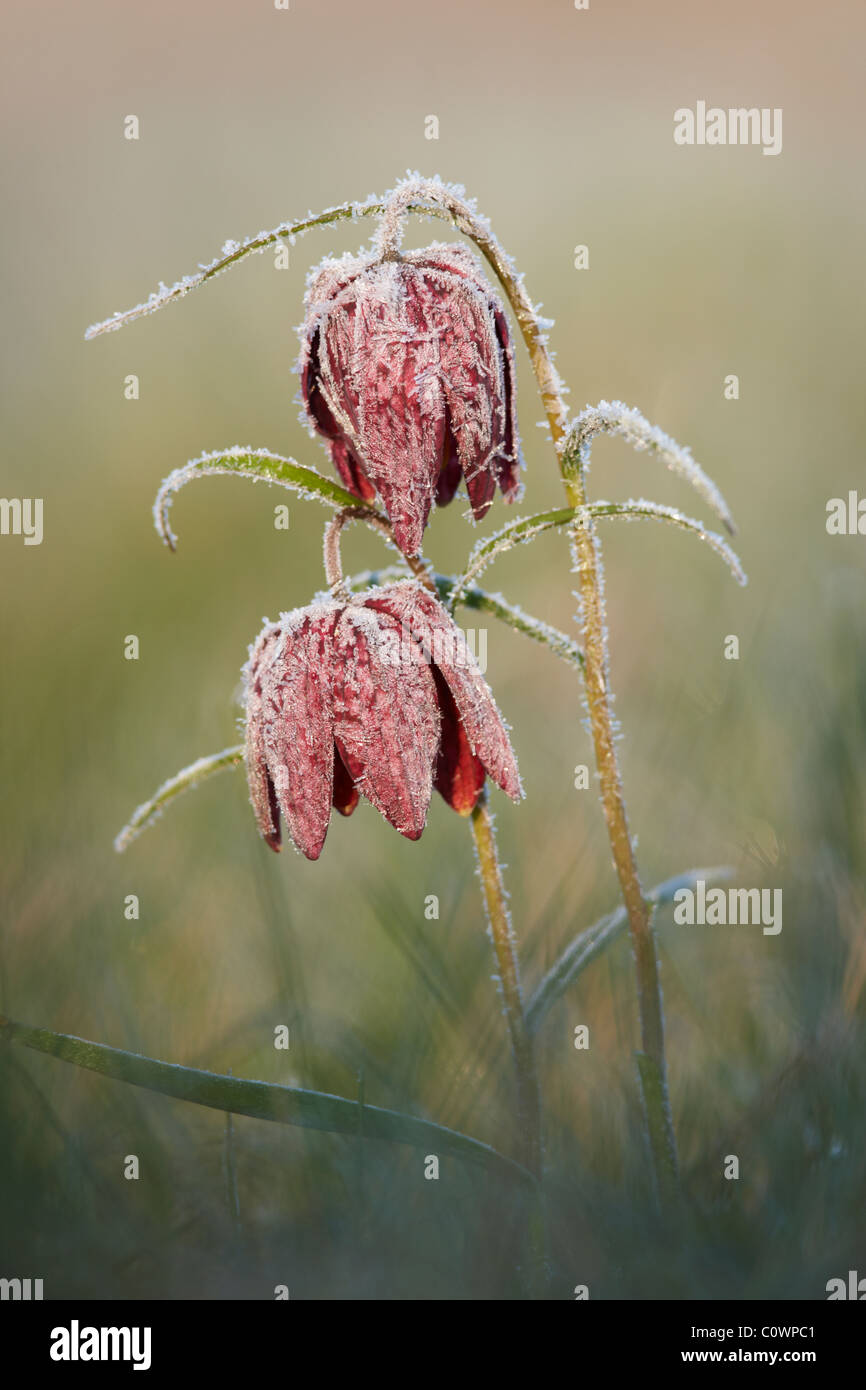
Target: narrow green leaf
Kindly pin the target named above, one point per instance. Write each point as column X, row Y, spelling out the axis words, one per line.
column 659, row 1127
column 593, row 940
column 235, row 251
column 514, row 617
column 641, row 510
column 259, row 465
column 479, row 600
column 262, row 1100
column 519, row 532
column 614, row 417
column 232, row 253
column 183, row 781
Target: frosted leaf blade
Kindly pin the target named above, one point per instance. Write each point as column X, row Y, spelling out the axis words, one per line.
column 593, row 940
column 517, row 533
column 480, row 601
column 614, row 417
column 262, row 1100
column 233, row 252
column 186, row 780
column 642, row 510
column 257, row 465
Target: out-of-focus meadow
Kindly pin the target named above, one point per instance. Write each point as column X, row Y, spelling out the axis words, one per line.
column 703, row 263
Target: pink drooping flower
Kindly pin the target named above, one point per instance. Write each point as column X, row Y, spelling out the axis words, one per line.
column 407, row 370
column 379, row 696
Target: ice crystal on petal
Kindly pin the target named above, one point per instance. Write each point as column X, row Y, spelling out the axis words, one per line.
column 378, row 696
column 407, row 371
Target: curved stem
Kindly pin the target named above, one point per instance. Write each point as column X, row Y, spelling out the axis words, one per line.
column 333, row 560
column 613, row 802
column 331, row 548
column 531, row 1152
column 592, row 620
column 420, row 195
column 505, row 948
column 596, row 679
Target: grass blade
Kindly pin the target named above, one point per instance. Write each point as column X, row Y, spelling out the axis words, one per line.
column 262, row 1100
column 519, row 532
column 616, row 418
column 259, row 465
column 481, row 601
column 232, row 252
column 189, row 777
column 593, row 940
column 641, row 510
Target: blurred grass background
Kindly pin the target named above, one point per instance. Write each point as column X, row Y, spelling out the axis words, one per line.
column 703, row 262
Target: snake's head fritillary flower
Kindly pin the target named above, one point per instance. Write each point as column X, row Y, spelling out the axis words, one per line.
column 378, row 697
column 407, row 370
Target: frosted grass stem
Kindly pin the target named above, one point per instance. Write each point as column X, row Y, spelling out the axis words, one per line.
column 505, row 949
column 531, row 1151
column 333, row 559
column 653, row 1070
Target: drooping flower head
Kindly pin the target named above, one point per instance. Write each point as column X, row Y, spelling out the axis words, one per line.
column 407, row 370
column 378, row 697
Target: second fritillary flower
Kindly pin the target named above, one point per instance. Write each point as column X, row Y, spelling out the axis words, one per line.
column 378, row 697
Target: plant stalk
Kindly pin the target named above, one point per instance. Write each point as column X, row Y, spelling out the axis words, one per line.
column 531, row 1151
column 333, row 558
column 651, row 1065
column 505, row 948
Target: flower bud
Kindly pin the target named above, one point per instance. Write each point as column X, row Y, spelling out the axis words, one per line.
column 378, row 697
column 407, row 370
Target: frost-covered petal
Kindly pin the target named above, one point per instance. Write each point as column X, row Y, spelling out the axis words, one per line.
column 492, row 454
column 386, row 720
column 509, row 458
column 459, row 775
column 407, row 371
column 445, row 646
column 450, row 474
column 346, row 795
column 472, row 384
column 379, row 362
column 345, row 458
column 298, row 717
column 262, row 792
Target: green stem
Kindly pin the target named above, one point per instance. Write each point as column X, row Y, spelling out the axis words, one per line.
column 505, row 948
column 595, row 672
column 531, row 1151
column 333, row 558
column 650, row 1007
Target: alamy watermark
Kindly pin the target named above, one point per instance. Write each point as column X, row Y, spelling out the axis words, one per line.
column 721, row 907
column 738, row 125
column 22, row 516
column 846, row 516
column 461, row 647
column 20, row 1290
column 76, row 1343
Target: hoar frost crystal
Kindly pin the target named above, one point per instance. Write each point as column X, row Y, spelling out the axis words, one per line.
column 407, row 370
column 379, row 696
